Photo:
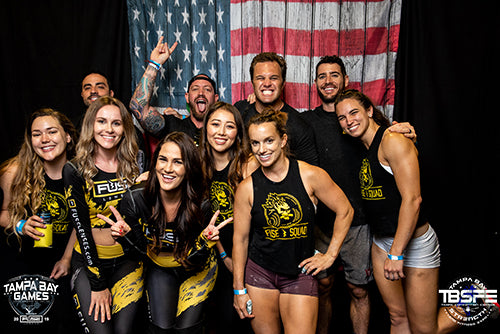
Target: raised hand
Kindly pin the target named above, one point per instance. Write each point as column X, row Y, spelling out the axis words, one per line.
column 162, row 52
column 118, row 228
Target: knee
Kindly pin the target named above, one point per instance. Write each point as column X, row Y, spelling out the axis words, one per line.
column 325, row 285
column 423, row 328
column 358, row 293
column 398, row 318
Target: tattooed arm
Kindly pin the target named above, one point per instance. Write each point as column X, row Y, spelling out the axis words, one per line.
column 150, row 117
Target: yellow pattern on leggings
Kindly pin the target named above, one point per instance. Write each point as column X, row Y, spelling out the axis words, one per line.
column 128, row 290
column 196, row 288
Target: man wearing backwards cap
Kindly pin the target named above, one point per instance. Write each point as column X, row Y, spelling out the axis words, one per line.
column 200, row 96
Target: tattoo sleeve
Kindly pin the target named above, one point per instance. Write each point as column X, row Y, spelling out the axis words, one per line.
column 149, row 117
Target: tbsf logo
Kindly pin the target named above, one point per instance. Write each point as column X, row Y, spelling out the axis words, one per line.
column 469, row 302
column 31, row 297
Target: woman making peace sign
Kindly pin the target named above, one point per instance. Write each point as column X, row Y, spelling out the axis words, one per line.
column 165, row 220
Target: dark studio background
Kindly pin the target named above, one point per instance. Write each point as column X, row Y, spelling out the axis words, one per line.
column 446, row 82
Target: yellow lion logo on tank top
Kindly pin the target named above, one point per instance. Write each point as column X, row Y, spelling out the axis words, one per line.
column 283, row 214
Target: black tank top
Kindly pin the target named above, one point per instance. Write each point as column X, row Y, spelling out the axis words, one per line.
column 379, row 192
column 282, row 222
column 222, row 198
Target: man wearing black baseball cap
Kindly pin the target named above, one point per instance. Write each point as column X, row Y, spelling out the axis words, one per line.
column 201, row 94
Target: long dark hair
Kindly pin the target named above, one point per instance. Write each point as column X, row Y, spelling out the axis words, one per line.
column 238, row 152
column 188, row 222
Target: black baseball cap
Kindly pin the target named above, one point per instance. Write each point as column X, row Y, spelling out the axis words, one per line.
column 203, row 76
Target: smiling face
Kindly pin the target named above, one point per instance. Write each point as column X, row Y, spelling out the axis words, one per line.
column 49, row 139
column 353, row 117
column 266, row 143
column 221, row 130
column 267, row 82
column 108, row 127
column 170, row 169
column 330, row 81
column 94, row 86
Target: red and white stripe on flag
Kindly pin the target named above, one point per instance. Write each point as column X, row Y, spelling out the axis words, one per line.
column 364, row 33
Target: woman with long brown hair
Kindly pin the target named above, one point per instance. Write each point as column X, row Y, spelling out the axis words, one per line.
column 33, row 188
column 166, row 221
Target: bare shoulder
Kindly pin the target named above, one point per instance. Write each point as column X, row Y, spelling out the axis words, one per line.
column 307, row 169
column 311, row 174
column 395, row 144
column 244, row 187
column 250, row 166
column 7, row 174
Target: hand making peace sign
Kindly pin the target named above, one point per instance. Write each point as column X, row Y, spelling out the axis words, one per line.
column 120, row 227
column 211, row 232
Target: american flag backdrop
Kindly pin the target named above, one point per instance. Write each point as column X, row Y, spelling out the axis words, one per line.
column 220, row 38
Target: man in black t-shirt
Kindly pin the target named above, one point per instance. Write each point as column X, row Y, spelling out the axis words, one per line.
column 337, row 155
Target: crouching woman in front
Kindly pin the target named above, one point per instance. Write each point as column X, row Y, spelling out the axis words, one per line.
column 164, row 219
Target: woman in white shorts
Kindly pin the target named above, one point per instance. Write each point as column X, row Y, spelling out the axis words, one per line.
column 405, row 251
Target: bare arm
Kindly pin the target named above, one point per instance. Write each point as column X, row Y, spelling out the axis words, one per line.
column 6, row 182
column 320, row 185
column 401, row 155
column 242, row 205
column 150, row 117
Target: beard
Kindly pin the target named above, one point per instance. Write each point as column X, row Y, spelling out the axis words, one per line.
column 326, row 99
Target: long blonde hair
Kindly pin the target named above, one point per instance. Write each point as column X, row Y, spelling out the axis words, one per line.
column 126, row 153
column 27, row 189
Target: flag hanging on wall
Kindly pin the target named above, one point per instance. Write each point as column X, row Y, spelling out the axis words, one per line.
column 220, row 38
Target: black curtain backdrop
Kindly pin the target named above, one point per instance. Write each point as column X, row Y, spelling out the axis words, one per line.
column 47, row 47
column 446, row 82
column 446, row 85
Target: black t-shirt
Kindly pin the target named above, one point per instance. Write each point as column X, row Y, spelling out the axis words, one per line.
column 340, row 156
column 185, row 125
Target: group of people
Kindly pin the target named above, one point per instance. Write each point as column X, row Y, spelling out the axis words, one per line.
column 241, row 216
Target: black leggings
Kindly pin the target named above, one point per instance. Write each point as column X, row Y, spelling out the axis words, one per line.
column 125, row 282
column 177, row 298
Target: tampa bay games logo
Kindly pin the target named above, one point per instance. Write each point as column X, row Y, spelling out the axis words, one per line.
column 31, row 297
